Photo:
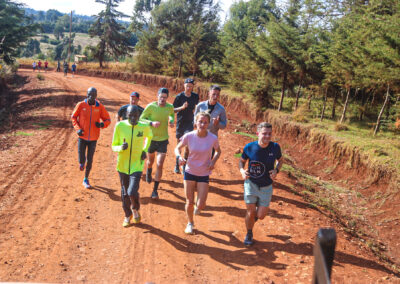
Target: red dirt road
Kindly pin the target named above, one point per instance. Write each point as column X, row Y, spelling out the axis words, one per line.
column 54, row 230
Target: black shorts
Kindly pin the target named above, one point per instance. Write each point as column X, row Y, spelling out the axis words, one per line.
column 158, row 146
column 188, row 176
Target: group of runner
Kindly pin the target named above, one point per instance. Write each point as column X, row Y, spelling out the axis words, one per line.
column 38, row 66
column 142, row 134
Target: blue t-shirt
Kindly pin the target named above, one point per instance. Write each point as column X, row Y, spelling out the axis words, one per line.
column 261, row 161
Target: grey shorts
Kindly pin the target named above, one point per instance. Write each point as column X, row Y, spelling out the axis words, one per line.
column 158, row 146
column 253, row 194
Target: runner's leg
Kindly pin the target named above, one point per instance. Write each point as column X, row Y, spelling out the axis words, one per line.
column 202, row 192
column 81, row 151
column 90, row 153
column 190, row 187
column 133, row 190
column 126, row 203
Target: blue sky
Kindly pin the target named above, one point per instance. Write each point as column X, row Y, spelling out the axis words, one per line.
column 90, row 7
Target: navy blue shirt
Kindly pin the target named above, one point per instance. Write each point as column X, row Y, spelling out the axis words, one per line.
column 122, row 111
column 184, row 118
column 261, row 161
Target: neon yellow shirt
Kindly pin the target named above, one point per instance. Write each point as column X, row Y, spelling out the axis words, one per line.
column 138, row 138
column 153, row 112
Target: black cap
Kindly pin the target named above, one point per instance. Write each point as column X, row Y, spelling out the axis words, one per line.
column 92, row 90
column 189, row 80
column 135, row 94
column 163, row 90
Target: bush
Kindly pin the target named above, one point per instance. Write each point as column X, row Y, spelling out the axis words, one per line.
column 301, row 114
column 340, row 127
column 54, row 41
column 40, row 77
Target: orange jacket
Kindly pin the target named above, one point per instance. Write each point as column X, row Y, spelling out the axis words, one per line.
column 85, row 116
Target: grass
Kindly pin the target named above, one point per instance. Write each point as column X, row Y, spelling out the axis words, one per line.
column 246, row 134
column 21, row 133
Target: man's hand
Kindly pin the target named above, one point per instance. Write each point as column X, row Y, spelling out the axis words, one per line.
column 273, row 173
column 124, row 145
column 143, row 156
column 171, row 124
column 99, row 124
column 155, row 124
column 185, row 105
column 215, row 121
column 245, row 173
column 80, row 132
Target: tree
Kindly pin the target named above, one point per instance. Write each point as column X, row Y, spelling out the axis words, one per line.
column 15, row 29
column 114, row 38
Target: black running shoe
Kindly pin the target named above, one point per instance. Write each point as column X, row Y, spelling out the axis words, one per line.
column 154, row 195
column 248, row 240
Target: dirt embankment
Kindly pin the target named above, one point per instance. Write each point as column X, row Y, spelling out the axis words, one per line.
column 356, row 204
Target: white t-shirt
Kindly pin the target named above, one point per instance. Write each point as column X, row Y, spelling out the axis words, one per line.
column 200, row 149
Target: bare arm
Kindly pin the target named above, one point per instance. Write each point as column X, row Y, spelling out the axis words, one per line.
column 245, row 173
column 278, row 166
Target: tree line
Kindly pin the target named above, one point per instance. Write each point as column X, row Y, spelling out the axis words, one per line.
column 338, row 51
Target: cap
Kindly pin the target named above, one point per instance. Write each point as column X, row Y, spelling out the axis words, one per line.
column 189, row 80
column 163, row 90
column 135, row 94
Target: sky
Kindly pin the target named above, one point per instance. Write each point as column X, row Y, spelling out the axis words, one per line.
column 90, row 7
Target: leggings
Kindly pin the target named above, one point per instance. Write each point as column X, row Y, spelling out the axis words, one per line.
column 91, row 147
column 130, row 189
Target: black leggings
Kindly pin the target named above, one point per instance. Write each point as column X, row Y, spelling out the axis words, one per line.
column 130, row 191
column 91, row 148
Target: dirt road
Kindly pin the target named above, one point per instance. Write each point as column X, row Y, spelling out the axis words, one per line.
column 54, row 230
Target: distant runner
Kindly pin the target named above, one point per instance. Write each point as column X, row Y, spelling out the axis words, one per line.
column 34, row 66
column 265, row 161
column 65, row 65
column 88, row 117
column 199, row 165
column 46, row 65
column 184, row 105
column 215, row 109
column 160, row 114
column 39, row 65
column 131, row 140
column 133, row 100
column 58, row 66
column 73, row 67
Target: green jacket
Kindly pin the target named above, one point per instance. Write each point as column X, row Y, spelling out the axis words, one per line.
column 129, row 160
column 153, row 112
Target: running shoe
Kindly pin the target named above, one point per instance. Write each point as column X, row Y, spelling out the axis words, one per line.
column 189, row 229
column 176, row 170
column 154, row 195
column 86, row 183
column 127, row 221
column 196, row 211
column 81, row 167
column 248, row 240
column 136, row 216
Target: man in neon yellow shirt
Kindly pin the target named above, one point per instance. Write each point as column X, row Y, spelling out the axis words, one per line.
column 159, row 114
column 131, row 140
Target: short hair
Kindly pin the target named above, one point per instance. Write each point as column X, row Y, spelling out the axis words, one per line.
column 263, row 125
column 163, row 91
column 202, row 113
column 215, row 87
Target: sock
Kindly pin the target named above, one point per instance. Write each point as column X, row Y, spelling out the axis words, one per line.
column 156, row 183
column 250, row 231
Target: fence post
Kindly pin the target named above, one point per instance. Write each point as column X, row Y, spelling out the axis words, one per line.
column 324, row 252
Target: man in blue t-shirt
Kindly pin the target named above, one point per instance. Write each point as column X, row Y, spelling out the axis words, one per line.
column 265, row 161
column 184, row 105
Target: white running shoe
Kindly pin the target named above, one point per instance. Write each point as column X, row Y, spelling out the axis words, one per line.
column 196, row 211
column 189, row 229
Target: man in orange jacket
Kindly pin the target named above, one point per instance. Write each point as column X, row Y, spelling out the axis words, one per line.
column 88, row 117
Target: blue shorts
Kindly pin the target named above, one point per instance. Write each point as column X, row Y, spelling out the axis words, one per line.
column 158, row 146
column 254, row 194
column 188, row 176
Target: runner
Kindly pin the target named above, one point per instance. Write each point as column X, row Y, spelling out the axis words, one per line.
column 46, row 64
column 65, row 65
column 134, row 100
column 184, row 105
column 200, row 142
column 159, row 114
column 39, row 65
column 129, row 142
column 265, row 161
column 58, row 66
column 73, row 67
column 215, row 109
column 34, row 66
column 86, row 121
